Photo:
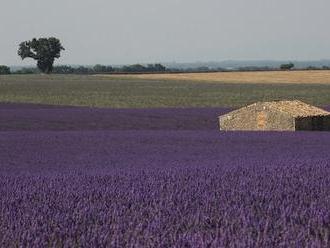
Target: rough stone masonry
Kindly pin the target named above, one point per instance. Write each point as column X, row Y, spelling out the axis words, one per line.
column 276, row 116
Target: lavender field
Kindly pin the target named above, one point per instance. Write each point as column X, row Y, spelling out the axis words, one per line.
column 87, row 177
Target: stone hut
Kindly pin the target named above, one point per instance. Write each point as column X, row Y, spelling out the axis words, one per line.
column 276, row 116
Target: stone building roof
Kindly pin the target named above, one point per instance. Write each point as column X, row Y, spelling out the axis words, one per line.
column 294, row 108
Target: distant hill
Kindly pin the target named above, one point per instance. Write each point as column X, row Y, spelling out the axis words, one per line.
column 234, row 64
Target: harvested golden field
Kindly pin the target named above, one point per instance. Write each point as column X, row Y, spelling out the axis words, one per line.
column 296, row 77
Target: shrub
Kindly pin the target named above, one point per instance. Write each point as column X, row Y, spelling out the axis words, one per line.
column 4, row 70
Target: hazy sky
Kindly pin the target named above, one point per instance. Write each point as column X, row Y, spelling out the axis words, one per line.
column 141, row 31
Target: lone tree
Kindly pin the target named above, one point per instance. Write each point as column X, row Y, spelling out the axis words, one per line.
column 287, row 66
column 44, row 50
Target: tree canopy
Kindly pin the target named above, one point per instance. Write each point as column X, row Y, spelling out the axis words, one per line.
column 43, row 50
column 287, row 66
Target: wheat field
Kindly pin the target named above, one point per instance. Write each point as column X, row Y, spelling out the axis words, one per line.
column 281, row 77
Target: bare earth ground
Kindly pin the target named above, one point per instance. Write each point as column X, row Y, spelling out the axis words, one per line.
column 299, row 77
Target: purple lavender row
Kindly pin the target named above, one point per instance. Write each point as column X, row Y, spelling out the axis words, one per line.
column 164, row 189
column 30, row 117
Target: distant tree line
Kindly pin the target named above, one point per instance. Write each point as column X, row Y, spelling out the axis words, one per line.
column 27, row 70
column 151, row 68
column 318, row 68
column 98, row 69
column 4, row 70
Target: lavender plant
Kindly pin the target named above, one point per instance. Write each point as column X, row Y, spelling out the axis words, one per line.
column 163, row 187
